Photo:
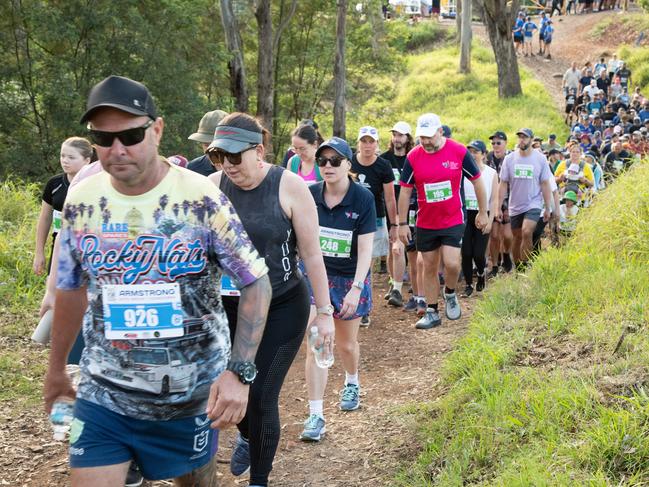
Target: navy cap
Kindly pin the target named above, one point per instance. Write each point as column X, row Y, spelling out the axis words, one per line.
column 337, row 144
column 552, row 136
column 446, row 131
column 554, row 151
column 498, row 135
column 234, row 139
column 526, row 133
column 123, row 94
column 478, row 145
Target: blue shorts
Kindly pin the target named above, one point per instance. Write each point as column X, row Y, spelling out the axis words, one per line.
column 339, row 287
column 162, row 449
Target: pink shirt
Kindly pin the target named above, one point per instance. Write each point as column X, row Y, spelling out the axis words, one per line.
column 437, row 178
column 310, row 178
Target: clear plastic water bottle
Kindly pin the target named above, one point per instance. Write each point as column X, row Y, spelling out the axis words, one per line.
column 61, row 416
column 324, row 356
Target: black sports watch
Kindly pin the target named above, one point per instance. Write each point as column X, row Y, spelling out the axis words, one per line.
column 245, row 371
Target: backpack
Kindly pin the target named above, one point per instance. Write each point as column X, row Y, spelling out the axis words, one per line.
column 574, row 185
column 293, row 165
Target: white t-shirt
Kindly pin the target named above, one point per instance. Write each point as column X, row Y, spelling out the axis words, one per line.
column 572, row 78
column 568, row 218
column 487, row 174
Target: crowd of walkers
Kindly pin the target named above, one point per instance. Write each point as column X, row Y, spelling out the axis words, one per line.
column 183, row 290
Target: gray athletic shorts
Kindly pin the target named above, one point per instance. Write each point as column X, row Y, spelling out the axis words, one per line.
column 531, row 214
column 381, row 244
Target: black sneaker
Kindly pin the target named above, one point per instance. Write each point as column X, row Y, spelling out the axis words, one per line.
column 507, row 263
column 395, row 298
column 493, row 273
column 468, row 291
column 481, row 282
column 365, row 321
column 386, row 296
column 134, row 477
column 411, row 304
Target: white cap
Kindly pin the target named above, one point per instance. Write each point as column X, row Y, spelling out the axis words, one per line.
column 402, row 128
column 428, row 125
column 617, row 129
column 368, row 131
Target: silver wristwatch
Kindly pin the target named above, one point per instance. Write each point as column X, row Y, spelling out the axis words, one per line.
column 327, row 309
column 358, row 284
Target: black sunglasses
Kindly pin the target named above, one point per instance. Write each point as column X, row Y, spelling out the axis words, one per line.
column 126, row 137
column 218, row 156
column 335, row 161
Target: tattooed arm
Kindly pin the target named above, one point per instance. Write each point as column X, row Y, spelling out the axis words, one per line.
column 228, row 398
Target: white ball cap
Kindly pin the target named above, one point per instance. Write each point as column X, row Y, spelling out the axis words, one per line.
column 368, row 132
column 428, row 125
column 402, row 128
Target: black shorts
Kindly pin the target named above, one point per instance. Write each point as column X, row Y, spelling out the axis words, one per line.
column 531, row 214
column 569, row 109
column 518, row 39
column 429, row 240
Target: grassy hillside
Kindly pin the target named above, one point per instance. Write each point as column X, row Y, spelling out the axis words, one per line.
column 467, row 103
column 549, row 387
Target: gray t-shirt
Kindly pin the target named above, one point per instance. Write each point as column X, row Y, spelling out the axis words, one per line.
column 524, row 175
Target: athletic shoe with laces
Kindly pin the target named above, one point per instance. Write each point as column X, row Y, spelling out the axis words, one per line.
column 468, row 291
column 421, row 308
column 493, row 273
column 395, row 299
column 240, row 461
column 365, row 321
column 480, row 285
column 350, row 399
column 386, row 296
column 411, row 304
column 430, row 320
column 134, row 477
column 452, row 308
column 314, row 428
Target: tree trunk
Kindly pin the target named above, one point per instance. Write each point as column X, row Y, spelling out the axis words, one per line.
column 236, row 66
column 465, row 38
column 375, row 18
column 339, row 128
column 499, row 18
column 458, row 20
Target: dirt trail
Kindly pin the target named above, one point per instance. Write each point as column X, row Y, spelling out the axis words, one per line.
column 399, row 366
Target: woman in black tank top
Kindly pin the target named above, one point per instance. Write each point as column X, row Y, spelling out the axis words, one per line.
column 279, row 214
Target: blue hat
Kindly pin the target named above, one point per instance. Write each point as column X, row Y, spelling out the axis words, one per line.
column 526, row 133
column 478, row 145
column 446, row 131
column 337, row 144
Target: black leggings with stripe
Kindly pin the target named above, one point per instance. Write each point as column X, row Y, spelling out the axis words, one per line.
column 474, row 248
column 283, row 335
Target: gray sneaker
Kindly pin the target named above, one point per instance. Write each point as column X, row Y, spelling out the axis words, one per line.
column 453, row 310
column 411, row 304
column 395, row 299
column 430, row 319
column 314, row 428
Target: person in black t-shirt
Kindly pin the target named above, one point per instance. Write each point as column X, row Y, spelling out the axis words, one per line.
column 400, row 144
column 375, row 174
column 625, row 75
column 204, row 136
column 76, row 152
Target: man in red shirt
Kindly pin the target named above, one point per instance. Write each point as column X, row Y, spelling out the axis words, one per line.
column 435, row 168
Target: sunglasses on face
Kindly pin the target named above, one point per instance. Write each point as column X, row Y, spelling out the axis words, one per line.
column 218, row 156
column 126, row 137
column 496, row 142
column 335, row 161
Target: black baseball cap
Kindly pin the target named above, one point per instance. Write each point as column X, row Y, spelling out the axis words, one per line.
column 478, row 145
column 121, row 93
column 526, row 132
column 498, row 135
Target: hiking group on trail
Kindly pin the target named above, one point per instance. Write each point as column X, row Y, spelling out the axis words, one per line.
column 183, row 290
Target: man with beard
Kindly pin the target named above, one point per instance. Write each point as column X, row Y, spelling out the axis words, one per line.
column 436, row 167
column 400, row 144
column 526, row 174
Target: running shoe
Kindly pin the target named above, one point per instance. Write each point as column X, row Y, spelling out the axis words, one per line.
column 493, row 273
column 386, row 296
column 314, row 428
column 134, row 477
column 421, row 308
column 452, row 308
column 468, row 291
column 240, row 461
column 430, row 319
column 507, row 263
column 365, row 321
column 480, row 285
column 350, row 399
column 411, row 304
column 395, row 299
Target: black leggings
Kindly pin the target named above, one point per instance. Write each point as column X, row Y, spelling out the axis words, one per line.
column 474, row 248
column 285, row 327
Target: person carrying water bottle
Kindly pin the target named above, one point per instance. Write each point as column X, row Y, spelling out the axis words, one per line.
column 347, row 218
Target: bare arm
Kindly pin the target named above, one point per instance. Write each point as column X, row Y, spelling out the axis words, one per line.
column 68, row 315
column 404, row 204
column 391, row 207
column 251, row 319
column 42, row 230
column 350, row 302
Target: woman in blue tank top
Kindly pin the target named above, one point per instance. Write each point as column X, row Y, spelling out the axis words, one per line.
column 278, row 213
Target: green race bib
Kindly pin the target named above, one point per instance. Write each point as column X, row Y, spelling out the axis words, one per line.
column 437, row 192
column 335, row 243
column 524, row 171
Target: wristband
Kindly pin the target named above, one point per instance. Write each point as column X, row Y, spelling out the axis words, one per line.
column 403, row 224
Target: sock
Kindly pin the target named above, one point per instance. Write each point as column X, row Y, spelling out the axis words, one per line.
column 432, row 307
column 315, row 407
column 397, row 285
column 420, row 299
column 448, row 291
column 507, row 260
column 351, row 378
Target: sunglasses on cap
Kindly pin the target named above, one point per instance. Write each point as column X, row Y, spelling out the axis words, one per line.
column 218, row 156
column 126, row 137
column 335, row 161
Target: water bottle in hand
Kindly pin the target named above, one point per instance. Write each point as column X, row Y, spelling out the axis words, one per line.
column 61, row 416
column 324, row 356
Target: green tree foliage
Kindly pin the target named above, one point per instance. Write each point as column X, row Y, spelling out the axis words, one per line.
column 54, row 51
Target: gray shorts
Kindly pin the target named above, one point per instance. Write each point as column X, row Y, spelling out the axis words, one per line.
column 381, row 239
column 531, row 214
